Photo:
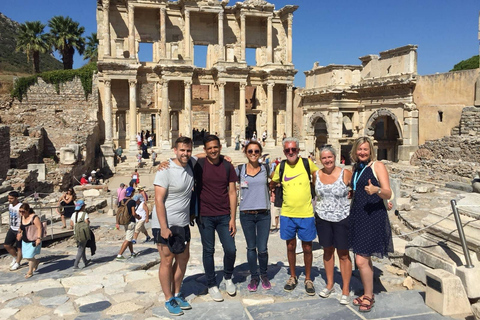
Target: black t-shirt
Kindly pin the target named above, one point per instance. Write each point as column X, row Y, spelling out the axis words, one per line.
column 131, row 204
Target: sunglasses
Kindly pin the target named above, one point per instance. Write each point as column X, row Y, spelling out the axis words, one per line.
column 21, row 211
column 290, row 150
column 256, row 151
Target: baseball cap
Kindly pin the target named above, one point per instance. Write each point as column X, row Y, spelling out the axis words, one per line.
column 129, row 191
column 177, row 242
column 79, row 204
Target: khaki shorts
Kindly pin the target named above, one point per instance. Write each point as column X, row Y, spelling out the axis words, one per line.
column 129, row 230
column 140, row 227
column 275, row 211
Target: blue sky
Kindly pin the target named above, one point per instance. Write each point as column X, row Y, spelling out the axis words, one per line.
column 332, row 32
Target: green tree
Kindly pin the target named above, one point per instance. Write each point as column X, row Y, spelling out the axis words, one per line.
column 65, row 37
column 472, row 63
column 32, row 41
column 91, row 49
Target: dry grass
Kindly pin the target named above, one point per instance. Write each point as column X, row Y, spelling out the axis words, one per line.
column 6, row 81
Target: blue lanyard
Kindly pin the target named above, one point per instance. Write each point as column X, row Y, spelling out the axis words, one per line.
column 355, row 178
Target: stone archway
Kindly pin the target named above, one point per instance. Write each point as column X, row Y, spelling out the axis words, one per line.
column 319, row 125
column 384, row 127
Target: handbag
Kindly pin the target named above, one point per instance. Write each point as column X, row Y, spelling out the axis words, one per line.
column 31, row 230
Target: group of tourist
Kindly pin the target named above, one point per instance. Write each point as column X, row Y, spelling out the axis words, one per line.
column 349, row 213
column 94, row 178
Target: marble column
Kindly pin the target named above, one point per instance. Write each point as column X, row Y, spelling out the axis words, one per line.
column 289, row 111
column 220, row 35
column 165, row 117
column 188, row 109
column 270, row 142
column 289, row 39
column 163, row 33
column 187, row 34
column 106, row 28
column 133, row 114
column 243, row 38
column 108, row 111
column 242, row 115
column 131, row 32
column 269, row 40
column 221, row 112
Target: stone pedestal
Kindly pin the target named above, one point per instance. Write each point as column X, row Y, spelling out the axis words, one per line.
column 470, row 278
column 108, row 160
column 40, row 168
column 445, row 293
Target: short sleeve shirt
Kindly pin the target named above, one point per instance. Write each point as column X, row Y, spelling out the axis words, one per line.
column 14, row 216
column 178, row 181
column 214, row 199
column 297, row 199
column 254, row 193
column 80, row 214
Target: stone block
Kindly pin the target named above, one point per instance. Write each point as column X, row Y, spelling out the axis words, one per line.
column 470, row 278
column 424, row 188
column 91, row 193
column 68, row 155
column 417, row 271
column 445, row 293
column 476, row 310
column 459, row 186
column 40, row 168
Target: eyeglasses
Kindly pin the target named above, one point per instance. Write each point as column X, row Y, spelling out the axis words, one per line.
column 21, row 211
column 256, row 151
column 290, row 150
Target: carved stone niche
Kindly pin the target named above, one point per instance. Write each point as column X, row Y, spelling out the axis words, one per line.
column 69, row 154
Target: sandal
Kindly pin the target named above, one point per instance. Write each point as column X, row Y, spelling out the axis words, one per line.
column 36, row 265
column 358, row 301
column 366, row 307
column 28, row 275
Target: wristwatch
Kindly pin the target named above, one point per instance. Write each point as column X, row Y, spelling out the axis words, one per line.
column 379, row 190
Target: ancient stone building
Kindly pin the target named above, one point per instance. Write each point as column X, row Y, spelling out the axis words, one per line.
column 343, row 102
column 170, row 95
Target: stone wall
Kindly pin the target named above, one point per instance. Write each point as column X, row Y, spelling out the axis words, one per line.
column 4, row 151
column 469, row 122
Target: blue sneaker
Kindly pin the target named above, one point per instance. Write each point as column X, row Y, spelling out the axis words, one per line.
column 182, row 303
column 172, row 307
column 134, row 241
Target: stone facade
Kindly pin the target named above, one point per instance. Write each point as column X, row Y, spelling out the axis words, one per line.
column 343, row 102
column 160, row 95
column 4, row 151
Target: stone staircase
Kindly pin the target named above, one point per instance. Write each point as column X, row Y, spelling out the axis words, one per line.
column 440, row 247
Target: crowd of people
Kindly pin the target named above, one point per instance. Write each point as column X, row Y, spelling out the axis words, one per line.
column 344, row 209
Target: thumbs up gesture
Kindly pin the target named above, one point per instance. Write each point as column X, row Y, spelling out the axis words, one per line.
column 370, row 188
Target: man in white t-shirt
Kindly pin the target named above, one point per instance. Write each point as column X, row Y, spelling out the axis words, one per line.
column 142, row 210
column 170, row 223
column 11, row 244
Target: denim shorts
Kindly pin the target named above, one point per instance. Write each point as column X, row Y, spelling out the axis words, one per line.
column 303, row 227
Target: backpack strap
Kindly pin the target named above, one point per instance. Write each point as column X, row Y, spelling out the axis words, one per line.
column 306, row 164
column 282, row 169
column 239, row 168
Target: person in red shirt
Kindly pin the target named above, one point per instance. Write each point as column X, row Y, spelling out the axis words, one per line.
column 83, row 180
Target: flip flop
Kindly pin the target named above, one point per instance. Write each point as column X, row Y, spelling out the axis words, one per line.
column 28, row 275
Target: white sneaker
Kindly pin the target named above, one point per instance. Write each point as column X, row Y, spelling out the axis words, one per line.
column 230, row 287
column 215, row 294
column 13, row 262
column 15, row 266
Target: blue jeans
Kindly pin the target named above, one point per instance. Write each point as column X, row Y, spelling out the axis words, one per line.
column 256, row 228
column 207, row 232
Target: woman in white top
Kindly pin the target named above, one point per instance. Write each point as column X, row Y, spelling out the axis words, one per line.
column 332, row 210
column 76, row 217
column 142, row 210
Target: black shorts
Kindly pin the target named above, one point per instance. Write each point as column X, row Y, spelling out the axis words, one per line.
column 11, row 238
column 158, row 239
column 333, row 234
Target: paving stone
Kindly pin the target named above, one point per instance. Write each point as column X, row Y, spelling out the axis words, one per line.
column 215, row 311
column 90, row 299
column 19, row 302
column 50, row 292
column 32, row 313
column 124, row 307
column 95, row 306
column 8, row 312
column 5, row 296
column 125, row 296
column 45, row 317
column 83, row 290
column 54, row 301
column 258, row 301
column 90, row 316
column 79, row 280
column 65, row 309
column 137, row 275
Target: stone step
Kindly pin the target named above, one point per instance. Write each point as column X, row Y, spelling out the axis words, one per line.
column 447, row 229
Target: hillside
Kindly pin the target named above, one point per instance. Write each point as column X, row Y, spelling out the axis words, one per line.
column 16, row 62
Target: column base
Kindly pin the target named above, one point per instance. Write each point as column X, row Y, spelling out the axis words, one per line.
column 223, row 143
column 166, row 145
column 108, row 160
column 269, row 143
column 132, row 146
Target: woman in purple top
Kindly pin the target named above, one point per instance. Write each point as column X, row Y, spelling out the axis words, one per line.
column 255, row 213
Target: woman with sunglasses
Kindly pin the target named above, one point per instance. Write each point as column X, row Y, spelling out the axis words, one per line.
column 370, row 233
column 255, row 213
column 30, row 233
column 332, row 210
column 66, row 206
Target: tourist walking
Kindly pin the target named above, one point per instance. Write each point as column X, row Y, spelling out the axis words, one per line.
column 130, row 227
column 78, row 216
column 11, row 244
column 141, row 210
column 255, row 214
column 121, row 193
column 332, row 210
column 135, row 179
column 370, row 233
column 296, row 218
column 30, row 234
column 66, row 206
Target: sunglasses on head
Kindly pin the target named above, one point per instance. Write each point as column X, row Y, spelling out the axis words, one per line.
column 256, row 151
column 290, row 150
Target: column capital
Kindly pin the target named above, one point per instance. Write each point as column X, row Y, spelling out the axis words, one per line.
column 242, row 16
column 106, row 4
column 132, row 82
column 164, row 82
column 220, row 15
column 290, row 86
column 269, row 19
column 270, row 85
column 187, row 14
column 188, row 83
column 131, row 7
column 107, row 83
column 243, row 85
column 163, row 10
column 221, row 84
